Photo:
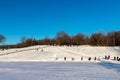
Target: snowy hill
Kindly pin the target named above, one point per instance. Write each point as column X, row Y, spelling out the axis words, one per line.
column 58, row 53
column 59, row 63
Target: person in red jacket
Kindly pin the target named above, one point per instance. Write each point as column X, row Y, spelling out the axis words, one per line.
column 108, row 57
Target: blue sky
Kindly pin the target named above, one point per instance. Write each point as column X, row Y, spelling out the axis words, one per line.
column 40, row 18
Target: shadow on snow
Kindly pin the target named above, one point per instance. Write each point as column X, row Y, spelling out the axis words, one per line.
column 109, row 65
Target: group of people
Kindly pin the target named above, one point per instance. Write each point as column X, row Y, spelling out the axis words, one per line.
column 65, row 58
column 89, row 58
column 39, row 48
column 95, row 58
column 107, row 57
column 116, row 58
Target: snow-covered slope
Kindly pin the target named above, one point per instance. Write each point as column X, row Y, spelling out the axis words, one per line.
column 58, row 53
column 48, row 63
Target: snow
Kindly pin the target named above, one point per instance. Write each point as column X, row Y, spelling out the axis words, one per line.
column 47, row 63
column 57, row 53
column 59, row 71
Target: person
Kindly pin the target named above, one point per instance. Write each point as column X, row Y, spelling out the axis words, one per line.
column 41, row 50
column 56, row 58
column 65, row 58
column 118, row 59
column 81, row 58
column 108, row 57
column 89, row 58
column 95, row 58
column 2, row 49
column 114, row 58
column 73, row 59
column 98, row 58
column 105, row 57
column 37, row 49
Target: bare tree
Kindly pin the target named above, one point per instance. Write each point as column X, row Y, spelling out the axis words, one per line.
column 117, row 38
column 62, row 38
column 98, row 39
column 23, row 39
column 2, row 38
column 79, row 39
column 111, row 38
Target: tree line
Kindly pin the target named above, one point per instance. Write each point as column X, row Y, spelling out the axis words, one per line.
column 62, row 38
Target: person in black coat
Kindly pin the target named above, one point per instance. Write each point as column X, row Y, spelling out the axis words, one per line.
column 95, row 58
column 114, row 58
column 89, row 58
column 65, row 58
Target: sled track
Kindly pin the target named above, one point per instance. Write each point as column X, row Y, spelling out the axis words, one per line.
column 15, row 52
column 20, row 51
column 70, row 52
